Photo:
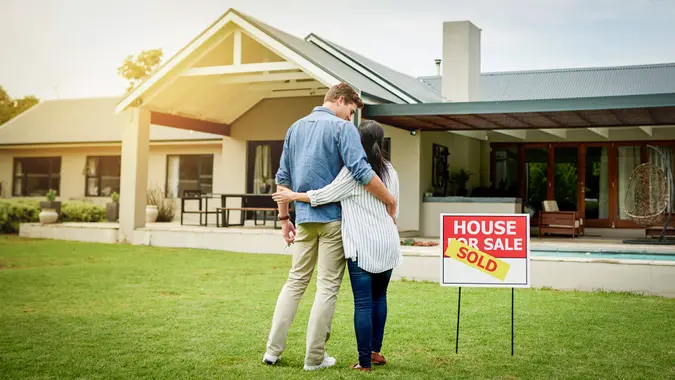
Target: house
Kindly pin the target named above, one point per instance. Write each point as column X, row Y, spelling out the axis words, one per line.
column 214, row 116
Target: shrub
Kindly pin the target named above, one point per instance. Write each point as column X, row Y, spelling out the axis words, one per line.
column 166, row 206
column 85, row 212
column 15, row 212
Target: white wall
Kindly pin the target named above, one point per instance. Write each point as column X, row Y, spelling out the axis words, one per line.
column 405, row 157
column 465, row 153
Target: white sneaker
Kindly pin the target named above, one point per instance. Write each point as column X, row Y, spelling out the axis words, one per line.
column 270, row 359
column 327, row 362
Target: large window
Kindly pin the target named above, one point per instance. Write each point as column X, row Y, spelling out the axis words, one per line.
column 103, row 176
column 189, row 172
column 35, row 176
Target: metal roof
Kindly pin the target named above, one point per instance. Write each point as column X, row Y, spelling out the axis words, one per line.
column 609, row 111
column 573, row 83
column 411, row 85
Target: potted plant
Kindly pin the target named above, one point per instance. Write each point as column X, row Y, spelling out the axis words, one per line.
column 152, row 201
column 430, row 192
column 461, row 177
column 112, row 209
column 49, row 211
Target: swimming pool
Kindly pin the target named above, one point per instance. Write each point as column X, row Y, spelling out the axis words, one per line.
column 605, row 255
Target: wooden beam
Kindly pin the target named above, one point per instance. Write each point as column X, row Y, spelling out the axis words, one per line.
column 278, row 77
column 296, row 93
column 241, row 68
column 249, row 101
column 647, row 130
column 237, row 47
column 604, row 132
column 181, row 122
column 313, row 85
column 519, row 134
column 562, row 133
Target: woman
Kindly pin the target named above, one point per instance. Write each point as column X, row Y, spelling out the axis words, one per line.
column 370, row 239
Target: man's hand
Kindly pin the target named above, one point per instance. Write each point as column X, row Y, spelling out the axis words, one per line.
column 288, row 231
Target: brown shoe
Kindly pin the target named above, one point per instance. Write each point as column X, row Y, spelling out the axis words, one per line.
column 378, row 359
column 357, row 366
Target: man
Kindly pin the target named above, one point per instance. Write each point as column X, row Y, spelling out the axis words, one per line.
column 315, row 150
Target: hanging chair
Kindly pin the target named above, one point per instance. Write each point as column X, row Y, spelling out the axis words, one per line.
column 647, row 196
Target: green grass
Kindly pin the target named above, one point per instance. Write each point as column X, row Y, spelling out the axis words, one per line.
column 74, row 311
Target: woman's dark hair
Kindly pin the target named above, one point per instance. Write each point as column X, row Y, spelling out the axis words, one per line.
column 372, row 140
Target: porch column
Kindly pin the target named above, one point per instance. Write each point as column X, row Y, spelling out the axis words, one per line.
column 134, row 179
column 233, row 172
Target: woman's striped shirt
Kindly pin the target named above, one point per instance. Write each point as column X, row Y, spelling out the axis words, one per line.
column 368, row 232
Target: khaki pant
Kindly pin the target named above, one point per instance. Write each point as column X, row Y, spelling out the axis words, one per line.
column 314, row 243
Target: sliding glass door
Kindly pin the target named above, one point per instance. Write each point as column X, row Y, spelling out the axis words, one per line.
column 628, row 157
column 590, row 178
column 595, row 186
column 536, row 182
column 566, row 177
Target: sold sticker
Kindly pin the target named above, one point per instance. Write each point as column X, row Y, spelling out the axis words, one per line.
column 476, row 259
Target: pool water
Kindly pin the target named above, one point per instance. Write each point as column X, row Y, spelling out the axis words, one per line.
column 606, row 255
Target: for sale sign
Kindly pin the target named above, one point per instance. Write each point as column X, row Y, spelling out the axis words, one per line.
column 488, row 250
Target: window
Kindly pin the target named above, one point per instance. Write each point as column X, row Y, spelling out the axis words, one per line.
column 263, row 163
column 387, row 147
column 35, row 176
column 189, row 172
column 103, row 176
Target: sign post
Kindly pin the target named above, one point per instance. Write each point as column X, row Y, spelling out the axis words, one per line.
column 485, row 250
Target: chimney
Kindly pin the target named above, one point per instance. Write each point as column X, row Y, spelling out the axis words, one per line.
column 438, row 66
column 461, row 62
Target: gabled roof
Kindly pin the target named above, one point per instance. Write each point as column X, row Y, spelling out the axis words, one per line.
column 314, row 58
column 418, row 90
column 573, row 83
column 325, row 60
column 89, row 120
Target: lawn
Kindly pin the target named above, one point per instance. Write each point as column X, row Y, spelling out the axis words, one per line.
column 74, row 310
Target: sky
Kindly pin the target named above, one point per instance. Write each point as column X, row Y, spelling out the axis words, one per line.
column 72, row 48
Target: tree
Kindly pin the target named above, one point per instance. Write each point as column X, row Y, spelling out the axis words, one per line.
column 6, row 105
column 10, row 108
column 135, row 69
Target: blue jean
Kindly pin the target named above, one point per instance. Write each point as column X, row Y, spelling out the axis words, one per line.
column 370, row 309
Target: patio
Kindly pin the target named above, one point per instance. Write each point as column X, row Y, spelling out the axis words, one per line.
column 589, row 273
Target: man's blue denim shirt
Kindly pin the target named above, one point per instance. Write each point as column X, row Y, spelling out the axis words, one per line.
column 315, row 150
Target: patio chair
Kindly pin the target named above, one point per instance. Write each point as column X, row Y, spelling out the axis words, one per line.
column 555, row 222
column 195, row 195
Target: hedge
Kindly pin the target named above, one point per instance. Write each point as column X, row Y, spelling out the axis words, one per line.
column 15, row 212
column 77, row 211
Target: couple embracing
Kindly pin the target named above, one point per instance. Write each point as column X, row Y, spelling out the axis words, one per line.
column 346, row 200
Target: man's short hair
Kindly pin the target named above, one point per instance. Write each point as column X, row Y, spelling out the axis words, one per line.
column 346, row 91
